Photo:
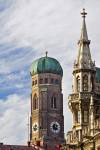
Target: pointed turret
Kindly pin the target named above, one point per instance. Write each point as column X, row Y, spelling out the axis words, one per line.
column 84, row 99
column 84, row 56
column 84, row 35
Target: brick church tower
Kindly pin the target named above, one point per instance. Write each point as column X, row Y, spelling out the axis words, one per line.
column 47, row 121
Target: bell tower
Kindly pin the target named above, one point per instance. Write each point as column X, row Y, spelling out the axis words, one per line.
column 47, row 121
column 81, row 98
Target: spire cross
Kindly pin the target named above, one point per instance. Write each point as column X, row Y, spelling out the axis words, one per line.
column 83, row 13
column 46, row 53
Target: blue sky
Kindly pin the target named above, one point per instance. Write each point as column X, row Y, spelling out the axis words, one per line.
column 28, row 28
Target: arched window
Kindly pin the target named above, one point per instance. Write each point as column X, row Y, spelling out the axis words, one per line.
column 56, row 81
column 85, row 83
column 35, row 102
column 46, row 80
column 52, row 80
column 53, row 102
column 78, row 84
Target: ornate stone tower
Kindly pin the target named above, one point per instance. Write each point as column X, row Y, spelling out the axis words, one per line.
column 47, row 121
column 81, row 99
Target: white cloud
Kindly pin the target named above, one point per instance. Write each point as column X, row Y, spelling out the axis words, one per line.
column 14, row 119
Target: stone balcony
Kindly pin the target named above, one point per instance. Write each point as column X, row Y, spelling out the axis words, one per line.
column 73, row 97
column 76, row 97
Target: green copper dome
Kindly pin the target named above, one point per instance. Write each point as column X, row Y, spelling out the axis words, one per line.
column 46, row 65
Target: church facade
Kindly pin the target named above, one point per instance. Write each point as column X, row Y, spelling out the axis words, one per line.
column 84, row 101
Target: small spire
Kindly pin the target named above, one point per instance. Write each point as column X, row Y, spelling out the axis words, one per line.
column 84, row 35
column 46, row 53
column 83, row 13
column 84, row 56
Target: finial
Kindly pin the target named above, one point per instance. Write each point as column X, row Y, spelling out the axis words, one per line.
column 83, row 13
column 46, row 53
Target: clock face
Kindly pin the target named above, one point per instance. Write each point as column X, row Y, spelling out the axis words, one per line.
column 55, row 127
column 35, row 127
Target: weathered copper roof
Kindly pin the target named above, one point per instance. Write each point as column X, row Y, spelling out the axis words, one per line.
column 46, row 65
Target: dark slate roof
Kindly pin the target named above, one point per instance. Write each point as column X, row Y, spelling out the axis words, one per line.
column 97, row 74
column 16, row 147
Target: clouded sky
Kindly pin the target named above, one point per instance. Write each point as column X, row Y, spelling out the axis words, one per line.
column 28, row 28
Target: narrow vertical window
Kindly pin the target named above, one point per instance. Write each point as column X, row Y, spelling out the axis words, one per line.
column 85, row 116
column 85, row 83
column 78, row 84
column 41, row 81
column 56, row 81
column 46, row 80
column 53, row 102
column 35, row 102
column 52, row 80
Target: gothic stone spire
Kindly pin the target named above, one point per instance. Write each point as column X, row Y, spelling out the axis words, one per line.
column 84, row 56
